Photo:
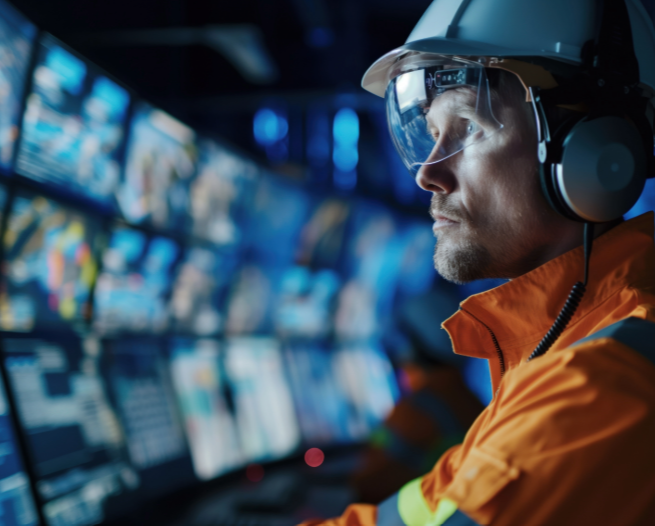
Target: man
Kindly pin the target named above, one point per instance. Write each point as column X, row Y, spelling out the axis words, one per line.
column 526, row 121
column 437, row 411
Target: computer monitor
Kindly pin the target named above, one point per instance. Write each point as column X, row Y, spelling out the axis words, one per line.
column 265, row 417
column 17, row 36
column 323, row 235
column 132, row 291
column 161, row 162
column 207, row 406
column 304, row 307
column 322, row 405
column 50, row 264
column 76, row 444
column 17, row 506
column 74, row 125
column 139, row 379
column 252, row 299
column 366, row 377
column 199, row 290
column 218, row 193
column 370, row 266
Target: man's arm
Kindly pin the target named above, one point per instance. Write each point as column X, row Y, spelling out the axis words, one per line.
column 569, row 441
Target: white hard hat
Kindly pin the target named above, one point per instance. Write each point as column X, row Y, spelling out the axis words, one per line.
column 550, row 29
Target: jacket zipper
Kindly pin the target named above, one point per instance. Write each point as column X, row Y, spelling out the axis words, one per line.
column 499, row 352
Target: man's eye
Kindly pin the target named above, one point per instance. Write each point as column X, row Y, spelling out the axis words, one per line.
column 472, row 128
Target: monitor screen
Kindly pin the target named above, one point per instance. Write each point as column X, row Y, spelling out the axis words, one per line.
column 75, row 441
column 50, row 264
column 366, row 378
column 324, row 412
column 323, row 235
column 206, row 404
column 266, row 422
column 74, row 125
column 370, row 264
column 304, row 307
column 199, row 289
column 17, row 507
column 140, row 382
column 161, row 162
column 133, row 288
column 217, row 194
column 16, row 41
column 252, row 299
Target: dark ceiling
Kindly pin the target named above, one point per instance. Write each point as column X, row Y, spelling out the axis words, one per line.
column 318, row 46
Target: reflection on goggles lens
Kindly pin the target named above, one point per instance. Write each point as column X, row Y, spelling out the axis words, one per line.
column 424, row 134
column 417, row 87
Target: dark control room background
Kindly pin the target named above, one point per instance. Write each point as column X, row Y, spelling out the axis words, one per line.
column 206, row 234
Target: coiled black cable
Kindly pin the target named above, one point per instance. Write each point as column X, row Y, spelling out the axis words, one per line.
column 572, row 302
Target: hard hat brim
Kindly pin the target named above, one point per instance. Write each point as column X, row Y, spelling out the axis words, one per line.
column 376, row 78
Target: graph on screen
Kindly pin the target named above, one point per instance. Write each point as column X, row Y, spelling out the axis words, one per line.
column 50, row 264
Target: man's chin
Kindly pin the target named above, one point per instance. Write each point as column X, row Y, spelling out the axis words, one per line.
column 461, row 263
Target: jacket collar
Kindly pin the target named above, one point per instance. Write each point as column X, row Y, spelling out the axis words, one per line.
column 519, row 313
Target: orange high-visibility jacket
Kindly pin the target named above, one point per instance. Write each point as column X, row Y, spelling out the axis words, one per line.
column 569, row 438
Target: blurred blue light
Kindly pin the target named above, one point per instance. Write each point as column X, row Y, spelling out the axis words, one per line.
column 345, row 180
column 346, row 127
column 269, row 127
column 345, row 157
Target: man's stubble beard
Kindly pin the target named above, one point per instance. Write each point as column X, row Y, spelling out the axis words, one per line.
column 461, row 257
column 462, row 262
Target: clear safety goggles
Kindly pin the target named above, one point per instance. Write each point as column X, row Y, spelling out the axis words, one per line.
column 436, row 107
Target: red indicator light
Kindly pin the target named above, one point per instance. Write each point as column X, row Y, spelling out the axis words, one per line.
column 314, row 457
column 254, row 473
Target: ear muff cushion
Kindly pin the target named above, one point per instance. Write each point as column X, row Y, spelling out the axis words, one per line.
column 547, row 171
column 602, row 170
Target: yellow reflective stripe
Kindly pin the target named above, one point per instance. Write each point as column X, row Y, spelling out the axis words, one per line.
column 444, row 511
column 412, row 506
column 414, row 511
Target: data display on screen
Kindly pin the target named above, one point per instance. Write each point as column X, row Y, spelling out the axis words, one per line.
column 132, row 291
column 74, row 125
column 75, row 439
column 371, row 264
column 367, row 380
column 252, row 299
column 305, row 305
column 217, row 194
column 50, row 264
column 162, row 158
column 140, row 381
column 323, row 235
column 17, row 506
column 324, row 410
column 16, row 41
column 206, row 404
column 265, row 416
column 198, row 292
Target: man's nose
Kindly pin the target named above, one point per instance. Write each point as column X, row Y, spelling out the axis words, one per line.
column 437, row 177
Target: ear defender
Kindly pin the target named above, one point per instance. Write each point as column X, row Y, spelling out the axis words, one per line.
column 595, row 168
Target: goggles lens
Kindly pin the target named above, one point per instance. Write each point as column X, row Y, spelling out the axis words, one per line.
column 436, row 107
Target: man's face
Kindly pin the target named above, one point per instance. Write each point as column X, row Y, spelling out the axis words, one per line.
column 491, row 220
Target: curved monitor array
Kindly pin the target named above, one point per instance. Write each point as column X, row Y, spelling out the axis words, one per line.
column 170, row 312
